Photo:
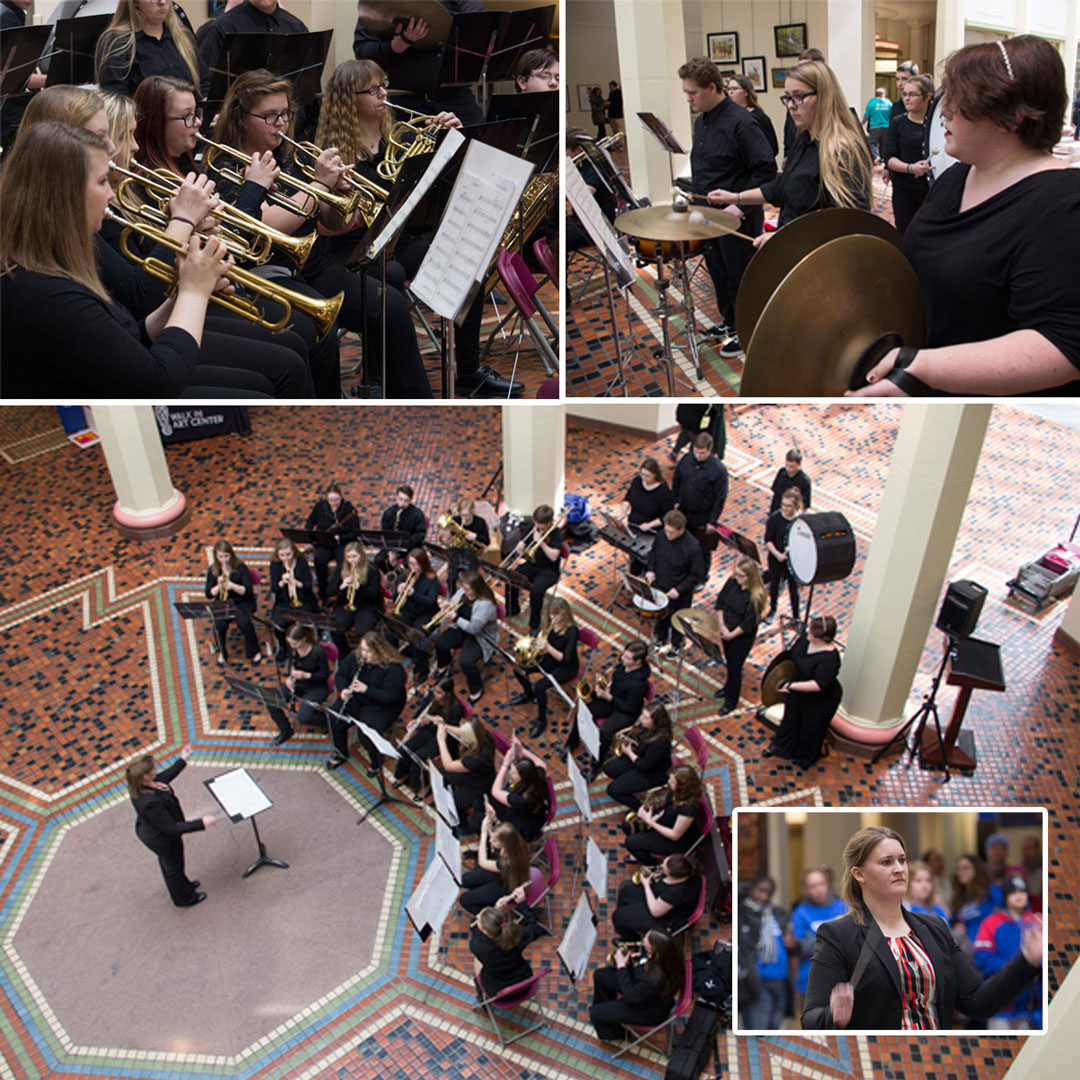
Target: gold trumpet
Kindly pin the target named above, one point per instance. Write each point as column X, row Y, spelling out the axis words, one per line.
column 399, row 603
column 446, row 523
column 165, row 185
column 653, row 799
column 223, row 586
column 350, row 593
column 450, row 609
column 372, row 196
column 294, row 593
column 345, row 205
column 645, row 873
column 322, row 312
column 635, row 950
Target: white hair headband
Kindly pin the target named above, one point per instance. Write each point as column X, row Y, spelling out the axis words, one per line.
column 1005, row 57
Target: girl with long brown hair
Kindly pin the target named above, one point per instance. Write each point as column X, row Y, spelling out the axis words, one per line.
column 421, row 601
column 421, row 742
column 639, row 990
column 502, row 867
column 474, row 631
column 520, row 791
column 498, row 950
column 291, row 586
column 229, row 579
column 740, row 602
column 645, row 761
column 674, row 827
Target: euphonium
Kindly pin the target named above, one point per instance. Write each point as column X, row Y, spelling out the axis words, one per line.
column 321, row 312
column 653, row 799
column 644, row 873
column 446, row 523
column 399, row 603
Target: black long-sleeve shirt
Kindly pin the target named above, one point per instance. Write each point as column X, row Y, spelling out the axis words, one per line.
column 565, row 643
column 700, row 489
column 554, row 540
column 654, row 759
column 244, row 19
column 384, row 699
column 678, row 564
column 500, row 967
column 94, row 348
column 304, row 591
column 423, row 599
column 153, row 56
column 11, row 16
column 476, row 525
column 411, row 520
column 629, row 689
column 316, row 664
column 767, row 130
column 368, row 593
column 240, row 576
column 730, row 150
column 903, row 140
column 776, row 531
column 648, row 504
column 343, row 521
column 782, row 482
column 736, row 608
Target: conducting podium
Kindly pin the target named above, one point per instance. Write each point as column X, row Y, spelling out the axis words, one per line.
column 240, row 797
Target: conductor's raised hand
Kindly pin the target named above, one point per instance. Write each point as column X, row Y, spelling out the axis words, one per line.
column 185, row 751
column 209, row 821
column 842, row 1003
column 1031, row 942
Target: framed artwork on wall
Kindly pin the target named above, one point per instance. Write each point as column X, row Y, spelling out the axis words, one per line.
column 779, row 77
column 723, row 48
column 753, row 67
column 790, row 39
column 583, row 97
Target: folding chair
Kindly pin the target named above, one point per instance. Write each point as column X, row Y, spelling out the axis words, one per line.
column 707, row 821
column 512, row 997
column 681, row 1008
column 541, row 883
column 522, row 287
column 695, row 915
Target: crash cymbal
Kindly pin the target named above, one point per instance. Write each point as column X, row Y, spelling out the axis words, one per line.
column 781, row 669
column 700, row 621
column 378, row 18
column 829, row 308
column 774, row 259
column 663, row 223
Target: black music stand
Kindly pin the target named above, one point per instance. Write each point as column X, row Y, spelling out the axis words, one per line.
column 300, row 57
column 609, row 174
column 208, row 611
column 244, row 800
column 73, row 49
column 665, row 137
column 413, row 635
column 21, row 50
column 739, row 543
column 540, row 112
column 267, row 696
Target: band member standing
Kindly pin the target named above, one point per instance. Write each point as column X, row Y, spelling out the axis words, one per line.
column 559, row 659
column 420, row 740
column 730, row 151
column 641, row 989
column 333, row 513
column 474, row 631
column 502, row 870
column 461, row 554
column 664, row 900
column 418, row 597
column 229, row 579
column 160, row 824
column 617, row 706
column 498, row 950
column 542, row 570
column 291, row 587
column 700, row 487
column 788, row 476
column 776, row 540
column 740, row 602
column 647, row 500
column 645, row 760
column 403, row 516
column 673, row 828
column 355, row 596
column 520, row 791
column 307, row 681
column 371, row 686
column 676, row 568
column 469, row 774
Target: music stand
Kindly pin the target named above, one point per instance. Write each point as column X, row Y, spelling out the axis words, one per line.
column 314, row 537
column 206, row 611
column 377, row 747
column 665, row 137
column 739, row 543
column 609, row 174
column 240, row 797
column 316, row 620
column 540, row 112
column 615, row 523
column 21, row 50
column 302, row 60
column 268, row 696
column 75, row 44
column 412, row 634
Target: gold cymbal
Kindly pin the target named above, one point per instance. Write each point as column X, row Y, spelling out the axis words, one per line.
column 378, row 18
column 772, row 262
column 663, row 223
column 826, row 311
column 781, row 669
column 700, row 621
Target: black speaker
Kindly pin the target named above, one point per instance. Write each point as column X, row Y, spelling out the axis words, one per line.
column 961, row 608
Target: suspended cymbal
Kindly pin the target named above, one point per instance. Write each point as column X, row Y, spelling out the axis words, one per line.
column 378, row 18
column 663, row 223
column 824, row 314
column 772, row 262
column 700, row 621
column 781, row 669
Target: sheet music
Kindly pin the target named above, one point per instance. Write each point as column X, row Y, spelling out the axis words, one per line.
column 440, row 794
column 434, row 897
column 579, row 939
column 596, row 225
column 383, row 745
column 448, row 848
column 448, row 146
column 239, row 794
column 485, row 195
column 596, row 869
column 580, row 786
column 587, row 729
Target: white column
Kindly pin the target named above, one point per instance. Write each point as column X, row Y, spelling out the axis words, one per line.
column 850, row 49
column 534, row 456
column 146, row 501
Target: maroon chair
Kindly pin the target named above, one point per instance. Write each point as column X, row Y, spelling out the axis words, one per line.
column 522, row 287
column 695, row 915
column 681, row 1008
column 545, row 257
column 512, row 997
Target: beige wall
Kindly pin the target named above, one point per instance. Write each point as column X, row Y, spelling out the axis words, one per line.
column 647, row 418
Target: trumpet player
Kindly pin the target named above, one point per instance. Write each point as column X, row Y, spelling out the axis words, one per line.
column 664, row 900
column 671, row 828
column 229, row 579
column 420, row 742
column 645, row 759
column 640, row 988
column 520, row 791
column 472, row 629
column 332, row 513
column 354, row 596
column 617, row 705
column 558, row 658
column 417, row 600
column 307, row 681
column 464, row 547
column 543, row 570
column 290, row 586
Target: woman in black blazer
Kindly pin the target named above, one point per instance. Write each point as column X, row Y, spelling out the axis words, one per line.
column 638, row 990
column 160, row 824
column 229, row 579
column 883, row 967
column 498, row 950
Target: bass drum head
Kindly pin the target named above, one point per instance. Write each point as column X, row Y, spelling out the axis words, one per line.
column 821, row 547
column 933, row 148
column 781, row 669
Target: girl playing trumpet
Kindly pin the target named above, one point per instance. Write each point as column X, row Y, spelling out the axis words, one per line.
column 664, row 900
column 354, row 596
column 290, row 586
column 229, row 579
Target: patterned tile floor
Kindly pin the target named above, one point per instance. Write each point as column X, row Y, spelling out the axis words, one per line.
column 96, row 665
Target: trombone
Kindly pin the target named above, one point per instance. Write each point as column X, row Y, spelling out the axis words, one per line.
column 321, row 312
column 450, row 609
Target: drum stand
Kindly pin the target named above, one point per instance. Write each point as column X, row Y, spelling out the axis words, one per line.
column 681, row 274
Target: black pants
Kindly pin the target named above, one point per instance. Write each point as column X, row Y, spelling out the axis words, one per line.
column 424, row 745
column 538, row 689
column 361, row 620
column 482, row 889
column 281, row 359
column 541, row 578
column 628, row 781
column 904, row 204
column 322, row 557
column 420, row 653
column 663, row 624
column 170, row 857
column 802, row 732
column 470, row 655
column 727, row 259
column 778, row 573
column 650, row 848
column 631, row 917
column 610, row 723
column 244, row 625
column 609, row 1013
column 309, row 697
column 735, row 653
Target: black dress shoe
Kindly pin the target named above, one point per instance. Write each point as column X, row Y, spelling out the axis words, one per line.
column 198, row 898
column 335, row 763
column 282, row 737
column 489, row 384
column 537, row 729
column 768, row 752
column 196, row 884
column 521, row 699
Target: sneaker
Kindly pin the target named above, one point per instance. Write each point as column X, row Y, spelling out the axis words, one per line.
column 731, row 348
column 718, row 331
column 664, row 650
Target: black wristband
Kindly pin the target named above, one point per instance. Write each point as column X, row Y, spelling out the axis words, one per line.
column 186, row 221
column 911, row 385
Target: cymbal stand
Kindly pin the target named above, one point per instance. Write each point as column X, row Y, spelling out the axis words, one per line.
column 681, row 274
column 662, row 312
column 616, row 334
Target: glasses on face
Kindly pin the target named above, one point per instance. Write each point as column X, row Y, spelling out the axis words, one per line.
column 787, row 100
column 912, row 94
column 270, row 119
column 190, row 119
column 374, row 91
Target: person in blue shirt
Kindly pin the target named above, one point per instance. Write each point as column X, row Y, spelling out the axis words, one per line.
column 997, row 941
column 876, row 114
column 920, row 895
column 764, row 936
column 818, row 906
column 971, row 899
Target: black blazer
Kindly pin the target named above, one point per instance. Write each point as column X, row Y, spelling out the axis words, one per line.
column 877, row 995
column 159, row 821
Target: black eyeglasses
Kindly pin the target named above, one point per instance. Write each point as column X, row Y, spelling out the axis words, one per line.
column 373, row 91
column 190, row 119
column 798, row 99
column 272, row 118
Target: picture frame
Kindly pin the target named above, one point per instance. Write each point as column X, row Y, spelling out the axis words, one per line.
column 723, row 48
column 790, row 39
column 753, row 67
column 779, row 77
column 583, row 97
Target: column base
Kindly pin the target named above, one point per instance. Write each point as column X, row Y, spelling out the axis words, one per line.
column 157, row 526
column 861, row 741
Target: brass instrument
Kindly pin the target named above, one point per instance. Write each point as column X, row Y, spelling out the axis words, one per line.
column 345, row 205
column 536, row 202
column 425, row 136
column 608, row 142
column 321, row 312
column 294, row 595
column 350, row 593
column 446, row 523
column 450, row 609
column 371, row 195
column 399, row 603
column 528, row 651
column 644, row 873
column 559, row 520
column 164, row 185
column 627, row 736
column 653, row 799
column 635, row 951
column 223, row 586
column 587, row 690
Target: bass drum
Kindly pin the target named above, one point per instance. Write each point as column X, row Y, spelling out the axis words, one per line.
column 933, row 147
column 821, row 547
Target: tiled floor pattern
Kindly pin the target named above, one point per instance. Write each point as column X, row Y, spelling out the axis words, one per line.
column 112, row 669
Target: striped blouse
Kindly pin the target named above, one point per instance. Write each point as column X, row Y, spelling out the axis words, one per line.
column 918, row 984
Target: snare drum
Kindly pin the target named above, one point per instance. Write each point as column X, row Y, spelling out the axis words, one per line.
column 652, row 609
